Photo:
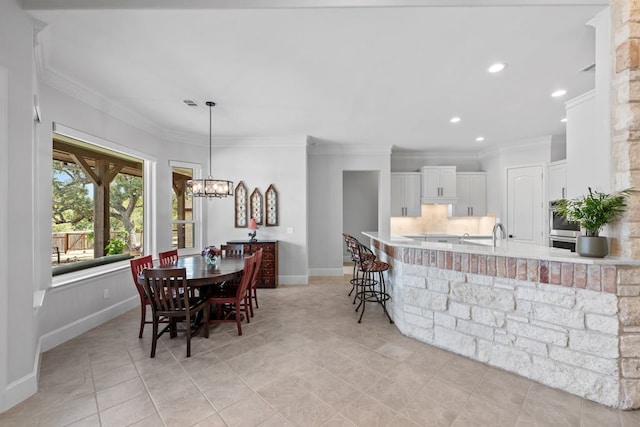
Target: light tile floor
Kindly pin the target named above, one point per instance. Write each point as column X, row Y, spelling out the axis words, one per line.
column 303, row 361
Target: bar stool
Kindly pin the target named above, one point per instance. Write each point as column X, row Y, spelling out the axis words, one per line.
column 368, row 288
column 352, row 247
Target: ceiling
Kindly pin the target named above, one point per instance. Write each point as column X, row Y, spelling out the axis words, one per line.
column 349, row 75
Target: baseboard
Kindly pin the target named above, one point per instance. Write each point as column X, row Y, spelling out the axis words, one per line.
column 24, row 387
column 326, row 271
column 80, row 326
column 293, row 280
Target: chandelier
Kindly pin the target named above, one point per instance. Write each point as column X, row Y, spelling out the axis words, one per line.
column 209, row 187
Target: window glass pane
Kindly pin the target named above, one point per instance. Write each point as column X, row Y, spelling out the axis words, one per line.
column 183, row 236
column 180, row 204
column 79, row 233
column 181, row 209
column 126, row 214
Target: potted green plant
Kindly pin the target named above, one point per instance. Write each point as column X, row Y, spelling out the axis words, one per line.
column 592, row 212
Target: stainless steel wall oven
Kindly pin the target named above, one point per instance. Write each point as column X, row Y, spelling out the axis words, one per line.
column 562, row 233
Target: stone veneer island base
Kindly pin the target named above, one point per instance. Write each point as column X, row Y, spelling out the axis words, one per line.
column 568, row 322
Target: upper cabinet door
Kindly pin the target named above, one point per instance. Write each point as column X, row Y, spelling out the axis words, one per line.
column 439, row 184
column 478, row 194
column 430, row 182
column 412, row 184
column 448, row 182
column 397, row 194
column 462, row 208
column 558, row 180
column 472, row 194
column 405, row 194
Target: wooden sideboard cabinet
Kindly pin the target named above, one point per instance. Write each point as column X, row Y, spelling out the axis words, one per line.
column 268, row 275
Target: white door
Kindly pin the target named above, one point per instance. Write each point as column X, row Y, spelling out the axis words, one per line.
column 524, row 204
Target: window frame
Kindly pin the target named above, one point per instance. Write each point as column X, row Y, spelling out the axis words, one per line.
column 149, row 176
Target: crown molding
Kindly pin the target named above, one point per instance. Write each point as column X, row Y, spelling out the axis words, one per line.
column 587, row 96
column 289, row 4
column 415, row 154
column 331, row 148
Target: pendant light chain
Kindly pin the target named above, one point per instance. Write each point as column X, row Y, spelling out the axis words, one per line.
column 210, row 104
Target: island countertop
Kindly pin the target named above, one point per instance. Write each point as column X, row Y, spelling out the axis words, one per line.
column 503, row 247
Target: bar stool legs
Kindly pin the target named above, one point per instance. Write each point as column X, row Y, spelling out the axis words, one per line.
column 371, row 290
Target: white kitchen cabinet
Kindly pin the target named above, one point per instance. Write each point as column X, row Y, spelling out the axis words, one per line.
column 558, row 180
column 405, row 194
column 439, row 184
column 471, row 191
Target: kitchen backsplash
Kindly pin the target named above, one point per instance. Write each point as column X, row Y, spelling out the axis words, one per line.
column 434, row 220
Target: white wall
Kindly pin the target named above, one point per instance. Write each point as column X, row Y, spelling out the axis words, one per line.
column 260, row 162
column 327, row 163
column 604, row 69
column 412, row 161
column 18, row 279
column 521, row 153
column 57, row 322
column 360, row 204
column 4, row 241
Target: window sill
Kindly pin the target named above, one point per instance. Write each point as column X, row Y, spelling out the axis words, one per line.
column 100, row 267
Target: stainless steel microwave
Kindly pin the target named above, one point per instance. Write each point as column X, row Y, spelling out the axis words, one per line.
column 559, row 226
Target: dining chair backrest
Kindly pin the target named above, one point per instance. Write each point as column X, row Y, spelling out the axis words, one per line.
column 137, row 265
column 168, row 257
column 235, row 251
column 165, row 288
column 256, row 267
column 247, row 275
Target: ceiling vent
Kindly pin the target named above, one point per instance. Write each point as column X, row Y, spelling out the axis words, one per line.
column 591, row 67
column 190, row 103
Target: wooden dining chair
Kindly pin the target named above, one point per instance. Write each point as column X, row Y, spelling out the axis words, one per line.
column 137, row 265
column 232, row 302
column 168, row 257
column 253, row 287
column 236, row 251
column 168, row 294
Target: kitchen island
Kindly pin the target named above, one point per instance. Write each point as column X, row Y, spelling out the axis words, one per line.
column 547, row 314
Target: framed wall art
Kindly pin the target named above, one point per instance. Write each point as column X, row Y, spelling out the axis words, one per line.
column 241, row 206
column 256, row 202
column 271, row 207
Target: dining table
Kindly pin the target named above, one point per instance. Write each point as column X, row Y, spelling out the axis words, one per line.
column 200, row 274
column 203, row 276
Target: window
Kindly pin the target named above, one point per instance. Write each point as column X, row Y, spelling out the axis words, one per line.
column 98, row 204
column 183, row 220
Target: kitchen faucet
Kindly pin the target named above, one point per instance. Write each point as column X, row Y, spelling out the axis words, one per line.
column 503, row 234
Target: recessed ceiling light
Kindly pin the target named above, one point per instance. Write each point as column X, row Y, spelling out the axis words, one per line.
column 559, row 93
column 497, row 67
column 563, row 120
column 480, row 139
column 454, row 119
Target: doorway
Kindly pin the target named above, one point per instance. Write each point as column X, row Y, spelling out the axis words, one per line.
column 359, row 204
column 524, row 204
